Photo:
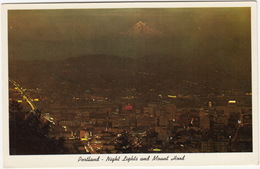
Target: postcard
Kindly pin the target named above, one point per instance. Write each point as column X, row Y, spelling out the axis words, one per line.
column 130, row 84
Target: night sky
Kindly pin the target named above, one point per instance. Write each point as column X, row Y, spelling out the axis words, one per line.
column 190, row 32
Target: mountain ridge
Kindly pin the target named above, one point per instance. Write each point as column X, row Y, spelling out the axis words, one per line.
column 118, row 71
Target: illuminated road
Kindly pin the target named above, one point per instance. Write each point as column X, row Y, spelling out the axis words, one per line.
column 21, row 90
column 28, row 99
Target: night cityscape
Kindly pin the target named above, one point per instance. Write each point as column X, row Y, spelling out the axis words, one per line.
column 113, row 81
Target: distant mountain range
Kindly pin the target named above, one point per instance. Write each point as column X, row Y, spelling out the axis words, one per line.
column 163, row 73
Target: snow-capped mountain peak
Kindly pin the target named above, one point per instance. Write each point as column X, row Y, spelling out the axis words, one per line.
column 142, row 29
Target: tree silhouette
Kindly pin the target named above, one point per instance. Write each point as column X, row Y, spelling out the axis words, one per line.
column 28, row 134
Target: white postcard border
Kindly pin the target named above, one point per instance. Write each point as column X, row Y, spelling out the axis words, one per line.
column 191, row 159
